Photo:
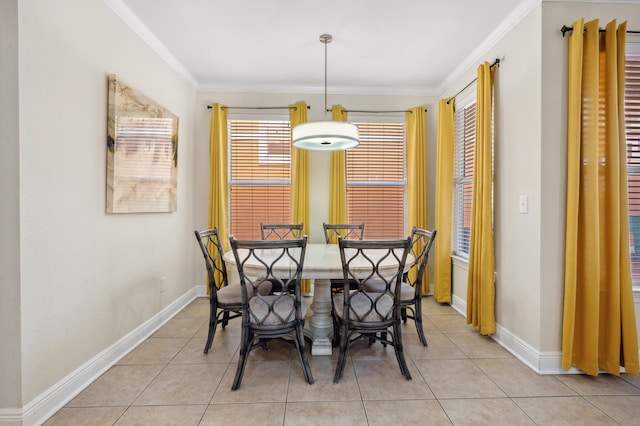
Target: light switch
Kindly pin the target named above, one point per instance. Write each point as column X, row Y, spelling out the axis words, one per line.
column 524, row 204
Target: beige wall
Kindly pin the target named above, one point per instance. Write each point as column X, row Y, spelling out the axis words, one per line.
column 10, row 367
column 319, row 162
column 554, row 75
column 517, row 172
column 76, row 280
column 530, row 157
column 88, row 278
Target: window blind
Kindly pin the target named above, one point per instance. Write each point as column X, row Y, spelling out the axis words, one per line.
column 376, row 180
column 465, row 140
column 632, row 121
column 259, row 175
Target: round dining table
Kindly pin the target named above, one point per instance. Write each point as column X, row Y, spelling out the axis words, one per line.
column 321, row 263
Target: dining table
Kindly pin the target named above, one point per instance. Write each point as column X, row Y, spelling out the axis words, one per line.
column 322, row 262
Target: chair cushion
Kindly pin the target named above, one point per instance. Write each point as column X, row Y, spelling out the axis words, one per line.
column 232, row 293
column 283, row 309
column 407, row 293
column 362, row 303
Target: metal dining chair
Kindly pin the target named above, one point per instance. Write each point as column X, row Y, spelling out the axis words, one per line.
column 279, row 315
column 375, row 315
column 281, row 231
column 225, row 300
column 411, row 287
column 348, row 231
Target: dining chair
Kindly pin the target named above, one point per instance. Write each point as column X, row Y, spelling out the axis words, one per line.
column 348, row 231
column 370, row 314
column 411, row 287
column 281, row 231
column 225, row 300
column 279, row 315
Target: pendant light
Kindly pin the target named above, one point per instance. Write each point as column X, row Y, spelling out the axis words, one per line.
column 325, row 135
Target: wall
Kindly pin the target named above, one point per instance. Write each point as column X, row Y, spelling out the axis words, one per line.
column 89, row 278
column 517, row 172
column 554, row 106
column 530, row 158
column 10, row 367
column 75, row 277
column 319, row 162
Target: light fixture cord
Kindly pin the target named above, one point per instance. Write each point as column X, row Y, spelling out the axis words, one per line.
column 325, row 75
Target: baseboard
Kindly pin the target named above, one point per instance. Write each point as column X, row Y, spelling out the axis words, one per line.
column 10, row 416
column 540, row 362
column 49, row 402
column 459, row 305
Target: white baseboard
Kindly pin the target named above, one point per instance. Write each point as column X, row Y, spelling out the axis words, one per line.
column 10, row 416
column 540, row 362
column 47, row 403
column 459, row 305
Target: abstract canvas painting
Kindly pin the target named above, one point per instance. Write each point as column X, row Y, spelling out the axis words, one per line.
column 142, row 152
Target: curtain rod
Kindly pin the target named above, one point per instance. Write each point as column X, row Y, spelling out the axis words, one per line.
column 263, row 107
column 364, row 111
column 566, row 29
column 495, row 63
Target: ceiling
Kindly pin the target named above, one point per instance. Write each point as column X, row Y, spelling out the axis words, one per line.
column 379, row 46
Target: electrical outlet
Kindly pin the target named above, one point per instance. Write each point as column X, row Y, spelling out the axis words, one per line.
column 163, row 283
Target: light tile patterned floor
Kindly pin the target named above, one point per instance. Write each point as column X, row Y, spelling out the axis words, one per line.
column 461, row 378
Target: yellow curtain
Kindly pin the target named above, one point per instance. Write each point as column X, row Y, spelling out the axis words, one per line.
column 480, row 284
column 599, row 329
column 444, row 201
column 300, row 179
column 338, row 184
column 416, row 156
column 218, row 184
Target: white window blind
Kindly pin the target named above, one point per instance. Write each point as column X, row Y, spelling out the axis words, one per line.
column 465, row 140
column 259, row 175
column 376, row 180
column 632, row 119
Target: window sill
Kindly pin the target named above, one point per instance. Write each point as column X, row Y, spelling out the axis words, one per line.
column 463, row 262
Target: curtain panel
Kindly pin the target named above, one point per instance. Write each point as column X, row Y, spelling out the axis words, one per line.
column 300, row 179
column 416, row 160
column 338, row 185
column 444, row 200
column 599, row 329
column 218, row 184
column 480, row 282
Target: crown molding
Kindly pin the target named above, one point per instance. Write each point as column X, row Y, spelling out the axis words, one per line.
column 498, row 34
column 339, row 90
column 123, row 11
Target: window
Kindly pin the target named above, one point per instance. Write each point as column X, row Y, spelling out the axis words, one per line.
column 259, row 175
column 632, row 119
column 376, row 180
column 465, row 141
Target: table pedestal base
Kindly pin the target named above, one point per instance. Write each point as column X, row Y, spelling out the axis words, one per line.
column 319, row 327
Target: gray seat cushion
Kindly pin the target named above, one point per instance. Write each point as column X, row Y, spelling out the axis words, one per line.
column 282, row 313
column 362, row 306
column 232, row 294
column 407, row 293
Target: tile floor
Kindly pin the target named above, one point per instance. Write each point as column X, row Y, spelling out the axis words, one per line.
column 461, row 378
